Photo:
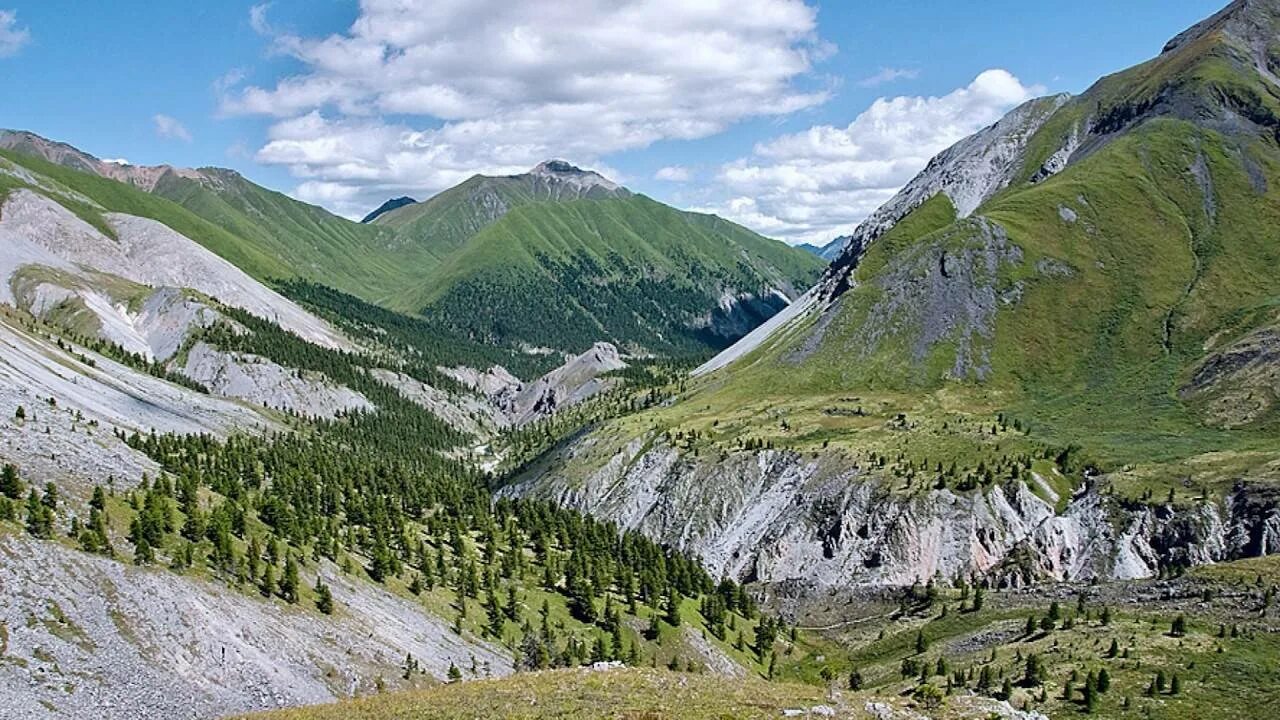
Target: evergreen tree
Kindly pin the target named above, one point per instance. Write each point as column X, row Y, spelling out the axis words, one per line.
column 922, row 643
column 289, row 580
column 855, row 680
column 11, row 485
column 672, row 605
column 324, row 598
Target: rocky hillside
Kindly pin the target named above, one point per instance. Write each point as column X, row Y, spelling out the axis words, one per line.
column 1049, row 357
column 217, row 499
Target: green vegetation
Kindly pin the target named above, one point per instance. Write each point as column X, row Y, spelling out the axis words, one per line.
column 630, row 270
column 578, row 694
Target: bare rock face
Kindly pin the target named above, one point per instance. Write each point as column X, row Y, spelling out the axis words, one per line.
column 578, row 379
column 779, row 517
column 89, row 637
column 258, row 380
column 563, row 181
column 148, row 253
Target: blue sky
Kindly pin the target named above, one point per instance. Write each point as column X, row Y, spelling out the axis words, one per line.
column 763, row 110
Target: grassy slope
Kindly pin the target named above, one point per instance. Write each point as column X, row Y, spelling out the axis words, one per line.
column 644, row 234
column 575, row 263
column 577, row 694
column 1082, row 357
column 310, row 241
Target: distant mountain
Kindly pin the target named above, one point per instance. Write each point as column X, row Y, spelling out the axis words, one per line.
column 387, row 207
column 828, row 251
column 557, row 257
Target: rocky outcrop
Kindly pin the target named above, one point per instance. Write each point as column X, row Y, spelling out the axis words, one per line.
column 88, row 637
column 578, row 379
column 968, row 173
column 145, row 252
column 258, row 380
column 822, row 521
column 1239, row 384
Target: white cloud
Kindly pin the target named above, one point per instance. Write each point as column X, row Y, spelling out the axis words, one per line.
column 495, row 86
column 258, row 18
column 814, row 185
column 169, row 128
column 673, row 173
column 887, row 75
column 12, row 37
column 116, row 161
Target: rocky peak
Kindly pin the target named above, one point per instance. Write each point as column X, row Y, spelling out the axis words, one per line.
column 560, row 171
column 1252, row 23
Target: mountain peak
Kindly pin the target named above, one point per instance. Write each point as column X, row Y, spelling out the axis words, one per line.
column 1252, row 22
column 388, row 206
column 561, row 171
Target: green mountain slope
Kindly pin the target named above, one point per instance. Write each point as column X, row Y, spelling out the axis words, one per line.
column 1077, row 380
column 558, row 256
column 628, row 269
column 1087, row 300
column 307, row 239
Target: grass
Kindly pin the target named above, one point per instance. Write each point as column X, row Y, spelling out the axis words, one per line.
column 633, row 693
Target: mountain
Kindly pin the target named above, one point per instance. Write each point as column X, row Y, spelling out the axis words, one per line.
column 386, row 207
column 217, row 499
column 1051, row 357
column 562, row 257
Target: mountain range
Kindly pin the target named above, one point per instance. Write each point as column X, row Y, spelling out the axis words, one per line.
column 1016, row 437
column 563, row 257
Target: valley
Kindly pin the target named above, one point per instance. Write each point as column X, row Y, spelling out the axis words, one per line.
column 540, row 445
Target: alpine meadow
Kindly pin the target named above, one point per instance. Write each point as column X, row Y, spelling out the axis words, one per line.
column 640, row 359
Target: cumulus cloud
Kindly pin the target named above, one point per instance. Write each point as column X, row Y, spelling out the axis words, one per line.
column 169, row 128
column 12, row 37
column 673, row 173
column 116, row 161
column 887, row 75
column 816, row 184
column 417, row 92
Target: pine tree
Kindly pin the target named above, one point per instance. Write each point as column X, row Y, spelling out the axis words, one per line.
column 324, row 598
column 11, row 484
column 289, row 580
column 922, row 643
column 855, row 680
column 455, row 675
column 39, row 517
column 267, row 586
column 672, row 603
